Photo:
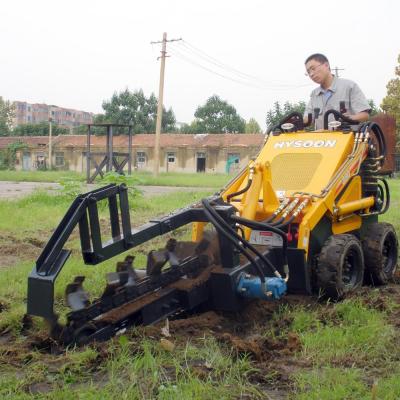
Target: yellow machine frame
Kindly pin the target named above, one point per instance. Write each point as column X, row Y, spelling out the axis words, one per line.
column 303, row 176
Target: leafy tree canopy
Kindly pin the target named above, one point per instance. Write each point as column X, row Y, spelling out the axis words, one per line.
column 192, row 128
column 217, row 116
column 135, row 108
column 374, row 109
column 8, row 155
column 6, row 115
column 391, row 103
column 40, row 129
column 275, row 115
column 252, row 126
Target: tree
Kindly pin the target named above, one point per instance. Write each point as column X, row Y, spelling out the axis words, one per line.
column 391, row 103
column 275, row 115
column 374, row 109
column 40, row 129
column 217, row 116
column 8, row 155
column 135, row 108
column 192, row 128
column 252, row 126
column 7, row 112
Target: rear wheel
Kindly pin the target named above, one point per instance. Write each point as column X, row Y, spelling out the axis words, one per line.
column 380, row 247
column 340, row 266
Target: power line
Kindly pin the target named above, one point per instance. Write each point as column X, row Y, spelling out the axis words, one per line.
column 213, row 60
column 247, row 83
column 191, row 50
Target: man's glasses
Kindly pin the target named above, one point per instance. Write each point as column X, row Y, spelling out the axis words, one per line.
column 312, row 69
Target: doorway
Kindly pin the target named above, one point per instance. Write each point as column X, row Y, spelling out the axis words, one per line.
column 26, row 161
column 201, row 162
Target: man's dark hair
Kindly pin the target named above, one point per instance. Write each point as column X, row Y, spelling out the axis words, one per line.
column 317, row 57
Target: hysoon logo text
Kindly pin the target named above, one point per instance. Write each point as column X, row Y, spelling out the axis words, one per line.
column 305, row 143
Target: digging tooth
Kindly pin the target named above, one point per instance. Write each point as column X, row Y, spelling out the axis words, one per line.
column 75, row 295
column 155, row 261
column 113, row 282
column 129, row 260
column 171, row 244
column 209, row 247
column 127, row 267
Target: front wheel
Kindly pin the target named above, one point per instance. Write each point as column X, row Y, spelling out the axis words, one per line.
column 380, row 247
column 340, row 266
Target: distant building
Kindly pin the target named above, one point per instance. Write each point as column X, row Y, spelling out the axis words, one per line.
column 27, row 113
column 220, row 153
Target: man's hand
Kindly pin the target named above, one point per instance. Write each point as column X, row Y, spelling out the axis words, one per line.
column 359, row 117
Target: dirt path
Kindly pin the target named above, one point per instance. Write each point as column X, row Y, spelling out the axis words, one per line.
column 14, row 190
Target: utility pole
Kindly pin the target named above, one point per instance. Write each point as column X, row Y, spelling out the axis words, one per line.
column 160, row 101
column 50, row 142
column 336, row 69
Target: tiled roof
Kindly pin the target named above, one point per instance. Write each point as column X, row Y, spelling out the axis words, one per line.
column 31, row 141
column 144, row 140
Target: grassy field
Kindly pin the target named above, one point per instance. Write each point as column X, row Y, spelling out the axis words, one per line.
column 137, row 178
column 298, row 348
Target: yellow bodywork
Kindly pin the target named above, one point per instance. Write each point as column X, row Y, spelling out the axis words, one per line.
column 315, row 173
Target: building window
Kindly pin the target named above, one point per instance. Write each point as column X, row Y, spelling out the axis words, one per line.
column 171, row 157
column 59, row 159
column 141, row 157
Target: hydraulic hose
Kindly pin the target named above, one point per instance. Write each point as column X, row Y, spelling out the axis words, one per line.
column 386, row 194
column 295, row 213
column 380, row 137
column 287, row 212
column 261, row 225
column 278, row 210
column 228, row 232
column 266, row 227
column 288, row 222
column 244, row 190
column 221, row 230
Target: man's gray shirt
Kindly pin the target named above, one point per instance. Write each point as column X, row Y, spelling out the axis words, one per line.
column 340, row 90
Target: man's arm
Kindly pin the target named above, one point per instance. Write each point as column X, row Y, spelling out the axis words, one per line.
column 359, row 105
column 359, row 117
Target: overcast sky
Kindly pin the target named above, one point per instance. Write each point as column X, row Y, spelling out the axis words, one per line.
column 75, row 54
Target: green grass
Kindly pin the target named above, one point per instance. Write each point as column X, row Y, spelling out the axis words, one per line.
column 127, row 370
column 142, row 178
column 181, row 179
column 39, row 176
column 42, row 212
column 349, row 350
column 333, row 383
column 354, row 330
column 393, row 214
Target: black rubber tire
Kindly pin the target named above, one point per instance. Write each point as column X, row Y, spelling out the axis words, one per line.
column 380, row 246
column 340, row 266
